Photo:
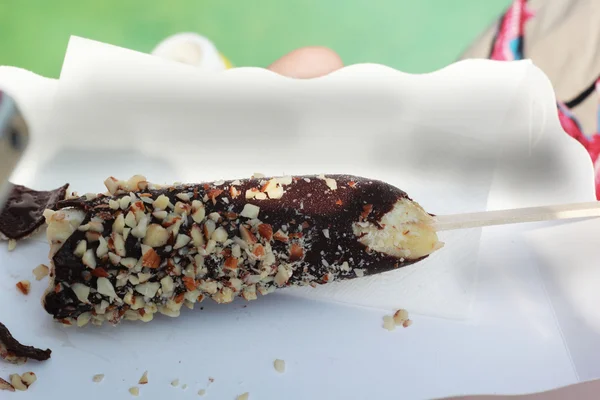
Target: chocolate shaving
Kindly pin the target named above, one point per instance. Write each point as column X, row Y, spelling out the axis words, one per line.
column 12, row 349
column 23, row 213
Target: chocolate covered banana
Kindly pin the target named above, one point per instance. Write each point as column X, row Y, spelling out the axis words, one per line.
column 142, row 249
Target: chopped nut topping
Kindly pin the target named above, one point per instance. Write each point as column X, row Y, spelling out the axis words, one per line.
column 246, row 235
column 98, row 378
column 276, row 192
column 102, row 249
column 128, row 262
column 250, row 211
column 156, row 236
column 105, row 288
column 407, row 323
column 89, row 259
column 150, row 259
column 112, row 184
column 279, row 366
column 213, row 194
column 331, row 183
column 81, row 291
column 114, row 259
column 199, row 211
column 296, row 252
column 148, row 289
column 41, row 271
column 283, row 275
column 144, row 379
column 81, row 248
column 161, row 203
column 167, row 286
column 24, row 286
column 281, row 236
column 182, row 240
column 183, row 197
column 84, row 319
column 119, row 224
column 141, row 228
column 265, row 231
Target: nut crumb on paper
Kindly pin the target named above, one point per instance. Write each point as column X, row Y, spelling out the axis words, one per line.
column 279, row 366
column 20, row 382
column 40, row 272
column 184, row 386
column 24, row 286
column 4, row 385
column 243, row 396
column 28, row 378
column 400, row 318
column 201, row 392
column 98, row 378
column 388, row 323
column 12, row 244
column 135, row 391
column 175, row 382
column 144, row 379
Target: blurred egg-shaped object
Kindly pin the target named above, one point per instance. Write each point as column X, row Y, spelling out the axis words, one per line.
column 192, row 49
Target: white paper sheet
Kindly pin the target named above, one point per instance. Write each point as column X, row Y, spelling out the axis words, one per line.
column 512, row 342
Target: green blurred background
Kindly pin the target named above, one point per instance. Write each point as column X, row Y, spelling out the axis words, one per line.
column 411, row 35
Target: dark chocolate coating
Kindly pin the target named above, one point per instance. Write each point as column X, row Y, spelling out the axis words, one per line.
column 19, row 350
column 307, row 208
column 23, row 212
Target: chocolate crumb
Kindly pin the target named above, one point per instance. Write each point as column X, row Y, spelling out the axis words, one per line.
column 13, row 351
column 23, row 213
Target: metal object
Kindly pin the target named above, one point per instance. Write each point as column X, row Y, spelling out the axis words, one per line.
column 14, row 136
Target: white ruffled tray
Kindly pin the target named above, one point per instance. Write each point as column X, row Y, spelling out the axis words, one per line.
column 504, row 310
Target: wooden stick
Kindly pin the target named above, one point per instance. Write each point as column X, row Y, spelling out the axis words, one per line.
column 517, row 215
